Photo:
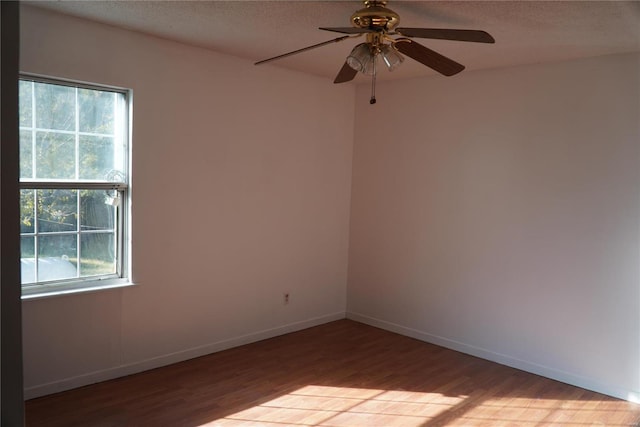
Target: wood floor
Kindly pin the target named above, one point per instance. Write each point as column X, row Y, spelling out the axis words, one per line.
column 339, row 374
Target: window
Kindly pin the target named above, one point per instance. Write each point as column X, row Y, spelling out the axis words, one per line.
column 73, row 185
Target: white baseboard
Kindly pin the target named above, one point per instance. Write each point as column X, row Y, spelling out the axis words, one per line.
column 503, row 359
column 168, row 359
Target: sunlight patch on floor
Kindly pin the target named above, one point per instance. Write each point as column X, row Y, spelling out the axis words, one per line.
column 342, row 406
column 316, row 405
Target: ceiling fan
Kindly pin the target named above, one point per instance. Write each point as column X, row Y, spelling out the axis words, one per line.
column 379, row 23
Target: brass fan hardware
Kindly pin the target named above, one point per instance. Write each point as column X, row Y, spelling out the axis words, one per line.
column 375, row 16
column 379, row 23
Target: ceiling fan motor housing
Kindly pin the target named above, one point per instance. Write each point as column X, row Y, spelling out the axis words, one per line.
column 375, row 16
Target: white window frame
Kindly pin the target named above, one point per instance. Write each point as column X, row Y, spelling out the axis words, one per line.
column 123, row 215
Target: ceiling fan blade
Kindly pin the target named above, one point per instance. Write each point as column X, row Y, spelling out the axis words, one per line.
column 304, row 49
column 477, row 36
column 428, row 57
column 348, row 30
column 346, row 74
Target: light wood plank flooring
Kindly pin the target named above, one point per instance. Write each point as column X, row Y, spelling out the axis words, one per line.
column 339, row 374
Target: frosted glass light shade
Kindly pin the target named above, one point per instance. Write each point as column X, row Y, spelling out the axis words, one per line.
column 360, row 59
column 391, row 57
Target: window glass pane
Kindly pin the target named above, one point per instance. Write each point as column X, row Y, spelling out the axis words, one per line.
column 70, row 134
column 97, row 254
column 96, row 211
column 57, row 257
column 96, row 157
column 96, row 111
column 27, row 259
column 55, row 106
column 57, row 210
column 26, row 114
column 27, row 211
column 26, row 151
column 55, row 155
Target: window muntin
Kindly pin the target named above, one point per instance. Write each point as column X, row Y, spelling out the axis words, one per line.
column 74, row 183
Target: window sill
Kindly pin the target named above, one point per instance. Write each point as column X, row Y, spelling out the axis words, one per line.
column 48, row 291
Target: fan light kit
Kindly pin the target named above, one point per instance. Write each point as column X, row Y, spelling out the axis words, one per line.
column 379, row 23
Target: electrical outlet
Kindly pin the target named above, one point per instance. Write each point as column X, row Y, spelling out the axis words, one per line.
column 286, row 298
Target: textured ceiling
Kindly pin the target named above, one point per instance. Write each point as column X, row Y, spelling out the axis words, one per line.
column 526, row 32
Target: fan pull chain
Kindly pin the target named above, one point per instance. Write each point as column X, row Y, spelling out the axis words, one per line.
column 373, row 81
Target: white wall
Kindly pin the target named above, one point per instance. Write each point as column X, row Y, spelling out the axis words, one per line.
column 498, row 213
column 241, row 191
